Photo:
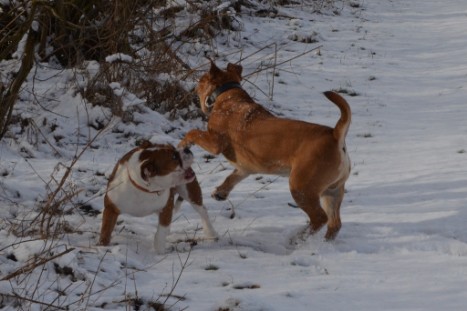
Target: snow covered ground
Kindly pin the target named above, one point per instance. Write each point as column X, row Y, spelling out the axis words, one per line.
column 403, row 245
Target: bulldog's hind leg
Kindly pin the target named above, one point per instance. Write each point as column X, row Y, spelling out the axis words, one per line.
column 332, row 199
column 222, row 192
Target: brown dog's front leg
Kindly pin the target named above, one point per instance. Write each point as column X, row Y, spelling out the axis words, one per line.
column 222, row 192
column 206, row 140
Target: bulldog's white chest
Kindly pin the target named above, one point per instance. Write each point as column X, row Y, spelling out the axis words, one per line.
column 131, row 200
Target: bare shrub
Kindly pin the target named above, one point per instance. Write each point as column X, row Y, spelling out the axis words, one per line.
column 67, row 33
column 153, row 71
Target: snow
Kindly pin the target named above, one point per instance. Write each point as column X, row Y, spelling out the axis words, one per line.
column 119, row 57
column 403, row 245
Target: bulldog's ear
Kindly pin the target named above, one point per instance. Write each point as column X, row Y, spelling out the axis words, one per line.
column 235, row 69
column 143, row 144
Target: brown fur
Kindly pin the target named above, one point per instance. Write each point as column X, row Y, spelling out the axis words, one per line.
column 109, row 220
column 165, row 216
column 255, row 141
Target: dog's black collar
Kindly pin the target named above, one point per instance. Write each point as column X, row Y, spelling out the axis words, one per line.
column 211, row 99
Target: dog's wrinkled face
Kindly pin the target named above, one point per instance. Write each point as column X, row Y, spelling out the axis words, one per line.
column 163, row 166
column 215, row 78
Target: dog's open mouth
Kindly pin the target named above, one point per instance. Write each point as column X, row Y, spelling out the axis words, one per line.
column 189, row 174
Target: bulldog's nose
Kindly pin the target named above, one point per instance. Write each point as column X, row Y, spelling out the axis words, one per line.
column 187, row 157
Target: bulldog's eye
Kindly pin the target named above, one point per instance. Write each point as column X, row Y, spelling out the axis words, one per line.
column 175, row 156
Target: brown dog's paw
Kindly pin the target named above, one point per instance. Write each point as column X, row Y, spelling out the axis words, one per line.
column 219, row 195
column 184, row 144
column 318, row 220
column 189, row 139
column 331, row 233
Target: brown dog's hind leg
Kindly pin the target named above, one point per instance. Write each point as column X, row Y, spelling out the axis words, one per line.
column 109, row 219
column 310, row 204
column 305, row 190
column 332, row 199
column 222, row 192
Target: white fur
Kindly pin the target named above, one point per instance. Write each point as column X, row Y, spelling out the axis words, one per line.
column 208, row 230
column 131, row 200
column 345, row 164
column 157, row 183
column 160, row 238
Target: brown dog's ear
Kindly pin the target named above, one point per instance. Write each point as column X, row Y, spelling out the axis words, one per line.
column 214, row 70
column 235, row 69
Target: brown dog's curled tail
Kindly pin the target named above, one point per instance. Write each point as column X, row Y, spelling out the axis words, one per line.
column 342, row 126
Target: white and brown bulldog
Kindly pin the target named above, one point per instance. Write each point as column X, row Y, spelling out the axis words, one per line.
column 255, row 141
column 145, row 181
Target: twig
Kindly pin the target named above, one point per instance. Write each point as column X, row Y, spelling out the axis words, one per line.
column 256, row 52
column 95, row 277
column 184, row 264
column 36, row 264
column 48, row 305
column 18, row 243
column 51, row 198
column 271, row 91
column 34, row 125
column 257, row 190
column 283, row 62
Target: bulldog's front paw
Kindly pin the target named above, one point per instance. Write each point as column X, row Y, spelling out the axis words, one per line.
column 159, row 239
column 210, row 234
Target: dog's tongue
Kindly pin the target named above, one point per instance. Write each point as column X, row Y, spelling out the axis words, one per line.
column 189, row 174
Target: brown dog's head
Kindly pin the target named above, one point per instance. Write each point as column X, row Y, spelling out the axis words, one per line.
column 214, row 79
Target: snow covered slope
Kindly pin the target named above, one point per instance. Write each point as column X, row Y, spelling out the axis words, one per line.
column 403, row 245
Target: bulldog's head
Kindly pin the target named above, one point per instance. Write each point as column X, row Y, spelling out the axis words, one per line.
column 164, row 166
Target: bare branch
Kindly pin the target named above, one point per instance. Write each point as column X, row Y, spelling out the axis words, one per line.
column 34, row 265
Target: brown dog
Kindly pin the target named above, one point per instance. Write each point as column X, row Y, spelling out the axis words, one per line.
column 255, row 141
